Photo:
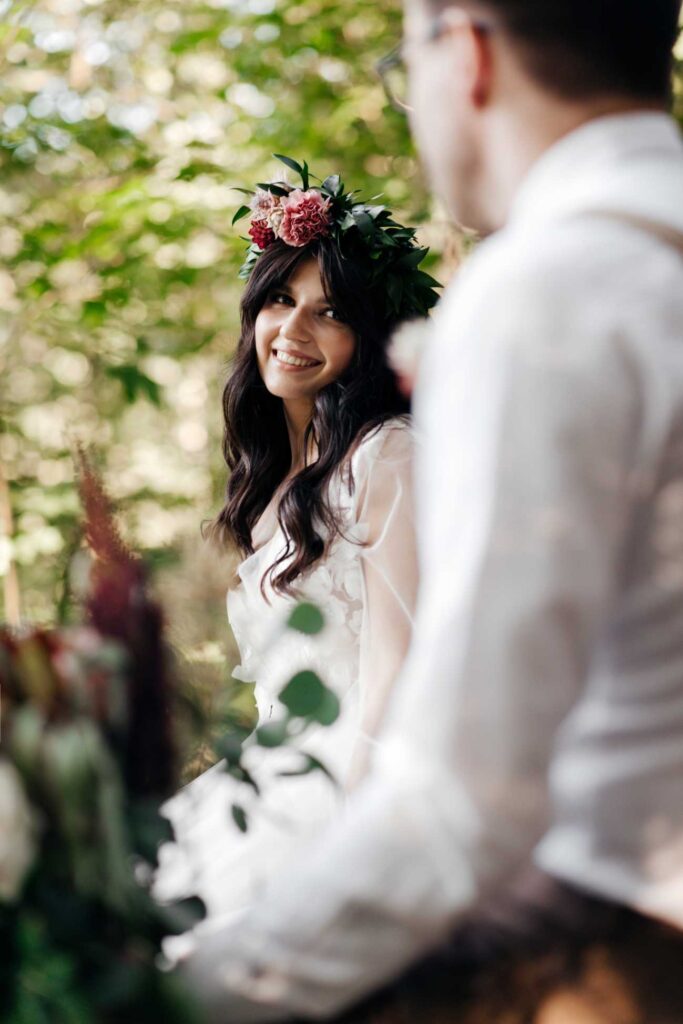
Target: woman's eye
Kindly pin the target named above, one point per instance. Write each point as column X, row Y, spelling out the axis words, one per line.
column 280, row 298
column 332, row 314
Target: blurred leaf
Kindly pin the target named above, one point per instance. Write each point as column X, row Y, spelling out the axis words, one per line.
column 229, row 746
column 193, row 170
column 149, row 829
column 311, row 764
column 242, row 212
column 303, row 694
column 239, row 772
column 426, row 279
column 273, row 734
column 306, row 618
column 332, row 183
column 287, row 160
column 411, row 259
column 135, row 383
column 189, row 41
column 239, row 816
column 118, row 983
column 269, row 186
column 328, row 710
column 364, row 222
column 183, row 915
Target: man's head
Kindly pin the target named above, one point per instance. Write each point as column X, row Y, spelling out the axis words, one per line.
column 502, row 79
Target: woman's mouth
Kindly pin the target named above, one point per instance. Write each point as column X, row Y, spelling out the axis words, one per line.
column 296, row 362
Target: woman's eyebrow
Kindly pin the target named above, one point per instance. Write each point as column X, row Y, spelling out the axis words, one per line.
column 285, row 289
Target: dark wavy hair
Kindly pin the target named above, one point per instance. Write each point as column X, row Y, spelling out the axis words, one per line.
column 256, row 443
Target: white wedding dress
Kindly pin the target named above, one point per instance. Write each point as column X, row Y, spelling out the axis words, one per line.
column 365, row 587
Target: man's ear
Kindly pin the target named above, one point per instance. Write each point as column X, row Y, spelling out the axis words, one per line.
column 472, row 53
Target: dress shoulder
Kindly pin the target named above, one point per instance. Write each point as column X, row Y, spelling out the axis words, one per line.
column 392, row 440
column 385, row 452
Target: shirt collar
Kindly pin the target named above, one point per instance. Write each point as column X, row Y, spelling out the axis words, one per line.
column 565, row 174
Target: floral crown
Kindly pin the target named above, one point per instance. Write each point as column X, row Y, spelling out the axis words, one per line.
column 364, row 233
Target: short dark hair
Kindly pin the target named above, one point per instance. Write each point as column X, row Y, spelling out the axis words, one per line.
column 581, row 48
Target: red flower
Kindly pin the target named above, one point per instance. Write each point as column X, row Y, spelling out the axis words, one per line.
column 307, row 216
column 261, row 234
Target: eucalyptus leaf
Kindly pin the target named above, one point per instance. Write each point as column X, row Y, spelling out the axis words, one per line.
column 306, row 618
column 332, row 183
column 303, row 694
column 328, row 710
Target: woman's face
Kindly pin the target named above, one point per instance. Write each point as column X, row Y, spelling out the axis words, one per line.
column 301, row 344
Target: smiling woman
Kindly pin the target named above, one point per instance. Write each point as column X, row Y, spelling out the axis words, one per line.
column 319, row 504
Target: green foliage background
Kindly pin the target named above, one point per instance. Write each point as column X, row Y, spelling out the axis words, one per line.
column 123, row 127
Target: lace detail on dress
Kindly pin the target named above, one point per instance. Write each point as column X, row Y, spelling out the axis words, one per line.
column 271, row 654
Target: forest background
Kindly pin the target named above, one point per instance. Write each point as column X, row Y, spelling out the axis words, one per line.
column 124, row 126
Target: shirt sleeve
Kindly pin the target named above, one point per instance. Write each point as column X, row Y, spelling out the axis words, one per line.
column 531, row 418
column 389, row 565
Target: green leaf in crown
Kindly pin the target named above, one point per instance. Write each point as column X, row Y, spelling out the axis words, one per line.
column 364, row 231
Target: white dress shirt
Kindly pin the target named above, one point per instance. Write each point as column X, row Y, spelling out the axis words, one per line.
column 540, row 709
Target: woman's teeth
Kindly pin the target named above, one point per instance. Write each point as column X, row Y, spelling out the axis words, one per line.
column 284, row 357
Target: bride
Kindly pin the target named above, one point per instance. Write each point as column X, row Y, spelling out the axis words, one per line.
column 319, row 504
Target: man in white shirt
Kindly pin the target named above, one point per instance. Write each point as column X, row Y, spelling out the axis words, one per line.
column 539, row 715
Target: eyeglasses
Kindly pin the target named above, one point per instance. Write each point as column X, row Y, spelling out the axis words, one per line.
column 392, row 68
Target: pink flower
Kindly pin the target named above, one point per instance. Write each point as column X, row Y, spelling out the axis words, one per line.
column 274, row 219
column 263, row 203
column 306, row 216
column 261, row 233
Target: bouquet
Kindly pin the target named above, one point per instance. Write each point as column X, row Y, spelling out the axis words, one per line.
column 86, row 758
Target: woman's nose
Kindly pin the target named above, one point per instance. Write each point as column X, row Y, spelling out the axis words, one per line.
column 297, row 326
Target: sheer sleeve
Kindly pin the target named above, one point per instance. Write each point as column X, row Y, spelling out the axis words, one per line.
column 390, row 574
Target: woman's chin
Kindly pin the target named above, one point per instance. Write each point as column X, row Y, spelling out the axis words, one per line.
column 290, row 386
column 289, row 392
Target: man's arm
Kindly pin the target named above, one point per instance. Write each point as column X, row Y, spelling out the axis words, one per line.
column 530, row 420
